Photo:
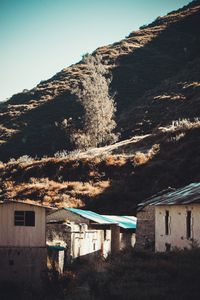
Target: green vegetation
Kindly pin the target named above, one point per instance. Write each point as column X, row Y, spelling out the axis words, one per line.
column 99, row 106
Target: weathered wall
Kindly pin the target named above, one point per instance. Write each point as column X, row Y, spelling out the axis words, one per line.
column 106, row 248
column 85, row 242
column 145, row 231
column 23, row 265
column 79, row 240
column 58, row 233
column 115, row 239
column 25, row 236
column 127, row 239
column 177, row 233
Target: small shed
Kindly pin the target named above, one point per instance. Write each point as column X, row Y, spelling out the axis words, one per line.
column 172, row 218
column 22, row 242
column 85, row 234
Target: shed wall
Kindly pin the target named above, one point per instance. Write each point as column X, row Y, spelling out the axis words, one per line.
column 23, row 265
column 24, row 236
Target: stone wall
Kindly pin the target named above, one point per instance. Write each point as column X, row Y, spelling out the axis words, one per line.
column 145, row 232
column 58, row 233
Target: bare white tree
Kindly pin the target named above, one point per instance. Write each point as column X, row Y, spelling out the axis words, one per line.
column 99, row 106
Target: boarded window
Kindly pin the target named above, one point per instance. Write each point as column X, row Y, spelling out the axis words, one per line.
column 167, row 222
column 189, row 224
column 24, row 218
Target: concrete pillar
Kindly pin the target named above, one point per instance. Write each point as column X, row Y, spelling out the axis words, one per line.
column 115, row 238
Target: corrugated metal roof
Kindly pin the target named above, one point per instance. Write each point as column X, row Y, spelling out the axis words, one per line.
column 127, row 222
column 91, row 216
column 185, row 195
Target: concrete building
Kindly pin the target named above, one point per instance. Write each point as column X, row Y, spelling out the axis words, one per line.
column 171, row 220
column 22, row 242
column 76, row 233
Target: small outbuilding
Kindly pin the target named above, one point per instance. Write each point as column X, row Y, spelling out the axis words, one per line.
column 76, row 233
column 170, row 221
column 23, row 253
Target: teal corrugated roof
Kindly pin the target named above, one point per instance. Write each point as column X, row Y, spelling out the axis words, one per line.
column 127, row 222
column 91, row 216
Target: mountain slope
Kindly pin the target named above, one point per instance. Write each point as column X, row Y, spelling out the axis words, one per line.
column 155, row 74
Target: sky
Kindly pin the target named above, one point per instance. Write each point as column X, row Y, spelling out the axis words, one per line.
column 41, row 37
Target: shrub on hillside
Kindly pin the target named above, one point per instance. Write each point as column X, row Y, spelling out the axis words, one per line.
column 99, row 107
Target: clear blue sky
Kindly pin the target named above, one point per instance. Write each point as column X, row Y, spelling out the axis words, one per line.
column 41, row 37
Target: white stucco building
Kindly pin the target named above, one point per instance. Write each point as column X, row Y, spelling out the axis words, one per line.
column 75, row 233
column 175, row 217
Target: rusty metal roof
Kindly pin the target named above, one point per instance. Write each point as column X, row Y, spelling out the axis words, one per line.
column 185, row 195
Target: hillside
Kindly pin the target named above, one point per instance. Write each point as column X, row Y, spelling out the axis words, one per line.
column 104, row 179
column 155, row 84
column 156, row 73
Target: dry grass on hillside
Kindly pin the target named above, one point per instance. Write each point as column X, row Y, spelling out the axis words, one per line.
column 54, row 193
column 103, row 180
column 66, row 181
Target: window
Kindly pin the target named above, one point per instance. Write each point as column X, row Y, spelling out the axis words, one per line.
column 189, row 224
column 167, row 222
column 167, row 247
column 11, row 262
column 24, row 218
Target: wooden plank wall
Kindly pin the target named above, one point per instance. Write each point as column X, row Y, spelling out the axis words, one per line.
column 22, row 236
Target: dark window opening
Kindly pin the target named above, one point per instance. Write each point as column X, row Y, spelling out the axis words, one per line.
column 167, row 222
column 24, row 218
column 189, row 224
column 11, row 262
column 167, row 247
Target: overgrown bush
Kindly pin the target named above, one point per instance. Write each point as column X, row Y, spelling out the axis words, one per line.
column 99, row 106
